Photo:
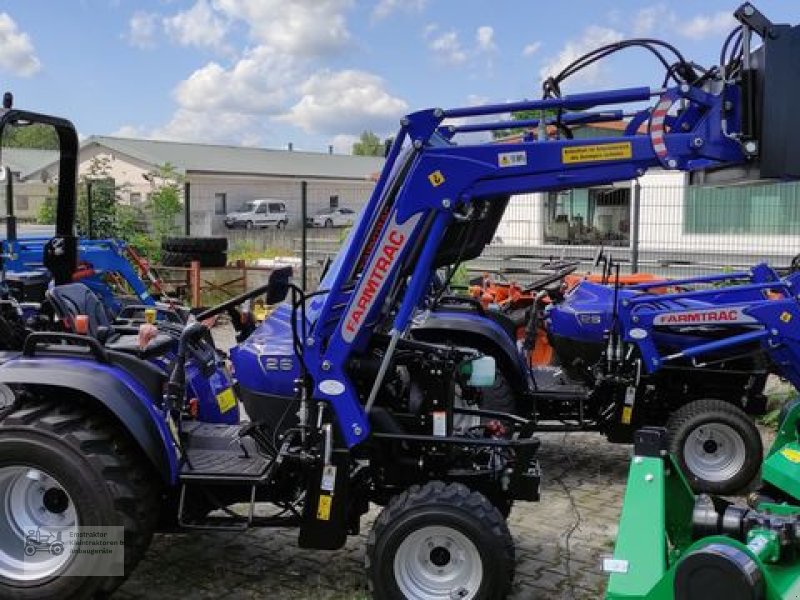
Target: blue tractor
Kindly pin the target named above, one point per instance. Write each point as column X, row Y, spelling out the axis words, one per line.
column 347, row 405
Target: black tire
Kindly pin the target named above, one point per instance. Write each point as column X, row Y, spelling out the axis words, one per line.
column 328, row 224
column 105, row 475
column 717, row 446
column 451, row 507
column 184, row 259
column 195, row 245
column 281, row 225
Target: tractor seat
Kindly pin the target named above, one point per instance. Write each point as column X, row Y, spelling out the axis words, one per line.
column 73, row 299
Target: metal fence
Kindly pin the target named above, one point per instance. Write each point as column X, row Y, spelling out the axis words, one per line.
column 673, row 231
column 668, row 230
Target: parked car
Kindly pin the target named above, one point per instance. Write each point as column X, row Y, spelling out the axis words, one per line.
column 337, row 217
column 261, row 212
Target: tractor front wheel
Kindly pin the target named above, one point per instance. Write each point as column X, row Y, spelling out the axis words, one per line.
column 67, row 474
column 717, row 446
column 440, row 541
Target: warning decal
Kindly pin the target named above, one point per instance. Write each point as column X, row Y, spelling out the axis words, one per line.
column 579, row 154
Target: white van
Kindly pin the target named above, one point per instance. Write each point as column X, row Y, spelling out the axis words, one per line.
column 261, row 212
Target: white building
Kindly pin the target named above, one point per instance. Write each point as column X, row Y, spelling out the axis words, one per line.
column 219, row 178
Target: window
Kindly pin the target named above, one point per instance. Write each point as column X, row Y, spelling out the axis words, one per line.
column 347, row 211
column 136, row 198
column 220, row 203
column 277, row 208
column 22, row 202
column 588, row 217
column 334, row 202
column 772, row 209
column 262, row 209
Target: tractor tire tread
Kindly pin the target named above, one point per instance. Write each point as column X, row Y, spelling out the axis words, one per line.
column 455, row 496
column 114, row 456
column 689, row 413
column 198, row 245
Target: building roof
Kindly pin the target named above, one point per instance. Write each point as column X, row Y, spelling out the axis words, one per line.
column 25, row 161
column 210, row 158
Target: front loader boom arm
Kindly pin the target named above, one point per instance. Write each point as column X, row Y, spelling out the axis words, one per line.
column 430, row 182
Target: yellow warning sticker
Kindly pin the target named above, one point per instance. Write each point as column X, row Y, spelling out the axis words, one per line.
column 226, row 400
column 324, row 508
column 786, row 316
column 627, row 413
column 436, row 178
column 596, row 152
column 791, row 455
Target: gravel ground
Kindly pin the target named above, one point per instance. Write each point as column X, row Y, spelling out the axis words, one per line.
column 560, row 543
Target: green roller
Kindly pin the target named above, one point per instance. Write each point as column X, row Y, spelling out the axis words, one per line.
column 674, row 545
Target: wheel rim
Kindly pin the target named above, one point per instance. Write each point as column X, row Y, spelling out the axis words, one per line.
column 34, row 501
column 714, row 452
column 438, row 562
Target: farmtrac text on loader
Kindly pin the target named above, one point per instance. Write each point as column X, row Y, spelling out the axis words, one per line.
column 345, row 407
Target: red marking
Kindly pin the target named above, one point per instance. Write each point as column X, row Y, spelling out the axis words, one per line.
column 373, row 238
column 388, row 254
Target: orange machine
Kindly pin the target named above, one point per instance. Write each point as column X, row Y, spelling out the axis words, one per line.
column 514, row 300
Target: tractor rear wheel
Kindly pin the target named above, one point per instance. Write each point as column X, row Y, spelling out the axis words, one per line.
column 440, row 541
column 717, row 446
column 67, row 470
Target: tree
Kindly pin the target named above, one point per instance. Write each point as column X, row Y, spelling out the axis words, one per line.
column 47, row 209
column 105, row 198
column 36, row 136
column 166, row 200
column 522, row 115
column 368, row 144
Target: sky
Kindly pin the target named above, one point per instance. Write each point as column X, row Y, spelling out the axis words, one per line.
column 318, row 72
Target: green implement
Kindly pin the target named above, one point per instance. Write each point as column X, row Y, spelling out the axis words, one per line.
column 673, row 545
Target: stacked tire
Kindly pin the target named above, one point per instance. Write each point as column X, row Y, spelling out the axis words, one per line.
column 182, row 251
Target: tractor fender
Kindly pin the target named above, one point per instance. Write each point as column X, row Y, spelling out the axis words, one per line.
column 113, row 388
column 481, row 333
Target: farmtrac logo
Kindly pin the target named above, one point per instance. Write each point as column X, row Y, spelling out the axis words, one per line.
column 375, row 276
column 712, row 316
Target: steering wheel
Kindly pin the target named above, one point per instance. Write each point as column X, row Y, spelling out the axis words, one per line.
column 598, row 256
column 547, row 280
column 794, row 267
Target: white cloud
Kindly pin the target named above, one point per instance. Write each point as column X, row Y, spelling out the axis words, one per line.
column 199, row 126
column 592, row 37
column 385, row 8
column 17, row 53
column 142, row 29
column 297, row 27
column 198, row 26
column 484, row 37
column 651, row 19
column 256, row 84
column 343, row 143
column 708, row 25
column 447, row 48
column 350, row 101
column 129, row 131
column 531, row 49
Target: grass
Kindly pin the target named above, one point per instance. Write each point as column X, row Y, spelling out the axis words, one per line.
column 248, row 252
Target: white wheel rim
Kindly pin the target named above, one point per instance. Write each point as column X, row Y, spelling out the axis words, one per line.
column 438, row 562
column 37, row 518
column 714, row 452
